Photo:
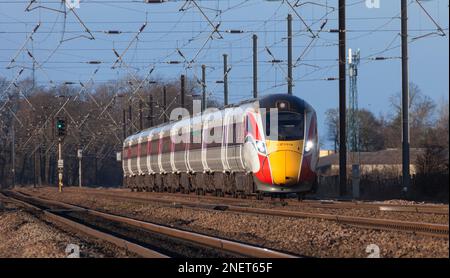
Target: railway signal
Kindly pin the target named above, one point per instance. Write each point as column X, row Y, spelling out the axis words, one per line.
column 61, row 132
column 61, row 127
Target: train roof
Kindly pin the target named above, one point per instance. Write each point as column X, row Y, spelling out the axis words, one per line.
column 266, row 101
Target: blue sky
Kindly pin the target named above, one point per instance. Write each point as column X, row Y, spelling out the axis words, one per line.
column 375, row 31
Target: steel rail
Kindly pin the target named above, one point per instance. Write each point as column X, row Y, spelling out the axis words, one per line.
column 411, row 208
column 122, row 243
column 196, row 238
column 431, row 229
column 382, row 207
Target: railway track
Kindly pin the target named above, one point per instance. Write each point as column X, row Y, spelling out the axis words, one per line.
column 438, row 209
column 409, row 208
column 325, row 204
column 429, row 229
column 143, row 238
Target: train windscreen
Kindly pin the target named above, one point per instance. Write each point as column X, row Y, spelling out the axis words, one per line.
column 290, row 126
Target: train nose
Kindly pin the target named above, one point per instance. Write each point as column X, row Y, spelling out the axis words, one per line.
column 285, row 167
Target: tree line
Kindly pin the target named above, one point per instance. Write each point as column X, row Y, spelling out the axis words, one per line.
column 98, row 118
column 429, row 124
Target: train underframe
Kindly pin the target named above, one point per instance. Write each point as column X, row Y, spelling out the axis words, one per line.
column 237, row 184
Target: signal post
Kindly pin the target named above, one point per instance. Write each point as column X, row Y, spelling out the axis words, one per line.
column 61, row 132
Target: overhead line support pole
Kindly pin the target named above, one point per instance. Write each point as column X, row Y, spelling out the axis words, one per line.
column 203, row 88
column 183, row 81
column 405, row 97
column 124, row 124
column 130, row 118
column 141, row 123
column 255, row 66
column 225, row 79
column 342, row 102
column 164, row 104
column 289, row 39
column 150, row 111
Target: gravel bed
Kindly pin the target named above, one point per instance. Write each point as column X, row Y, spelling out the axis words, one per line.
column 307, row 237
column 362, row 212
column 23, row 234
column 174, row 248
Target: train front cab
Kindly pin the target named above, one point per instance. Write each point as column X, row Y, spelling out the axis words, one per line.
column 290, row 158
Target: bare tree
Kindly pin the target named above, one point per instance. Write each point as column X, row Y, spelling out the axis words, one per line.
column 370, row 130
column 422, row 111
column 332, row 124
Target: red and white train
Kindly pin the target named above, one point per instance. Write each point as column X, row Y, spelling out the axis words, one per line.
column 229, row 151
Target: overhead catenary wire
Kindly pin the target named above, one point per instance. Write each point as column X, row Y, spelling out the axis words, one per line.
column 196, row 45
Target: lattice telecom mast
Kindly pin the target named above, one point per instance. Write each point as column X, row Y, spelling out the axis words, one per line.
column 353, row 119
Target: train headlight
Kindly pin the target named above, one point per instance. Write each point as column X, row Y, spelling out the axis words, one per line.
column 309, row 145
column 261, row 146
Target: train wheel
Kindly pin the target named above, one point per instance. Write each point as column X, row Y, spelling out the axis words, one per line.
column 259, row 196
column 300, row 197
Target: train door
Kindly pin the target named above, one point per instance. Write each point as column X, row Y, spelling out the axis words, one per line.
column 212, row 147
column 180, row 133
column 138, row 156
column 230, row 150
column 134, row 156
column 195, row 146
column 154, row 151
column 160, row 150
column 166, row 150
column 149, row 152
